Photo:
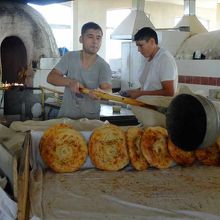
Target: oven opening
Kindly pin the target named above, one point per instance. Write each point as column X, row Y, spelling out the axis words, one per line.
column 14, row 70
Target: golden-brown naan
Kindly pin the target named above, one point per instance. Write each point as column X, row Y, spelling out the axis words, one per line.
column 154, row 147
column 63, row 148
column 180, row 156
column 133, row 137
column 107, row 148
column 209, row 156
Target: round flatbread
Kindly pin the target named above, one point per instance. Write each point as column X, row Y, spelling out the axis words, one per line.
column 63, row 149
column 154, row 147
column 209, row 156
column 133, row 137
column 185, row 158
column 107, row 148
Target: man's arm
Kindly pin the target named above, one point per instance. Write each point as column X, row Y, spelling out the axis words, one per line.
column 55, row 77
column 107, row 87
column 167, row 90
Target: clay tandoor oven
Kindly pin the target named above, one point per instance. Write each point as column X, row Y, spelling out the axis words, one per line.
column 25, row 37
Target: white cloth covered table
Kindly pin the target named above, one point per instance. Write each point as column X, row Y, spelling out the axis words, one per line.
column 89, row 194
column 176, row 193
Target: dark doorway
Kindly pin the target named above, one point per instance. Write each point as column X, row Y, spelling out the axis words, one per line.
column 13, row 60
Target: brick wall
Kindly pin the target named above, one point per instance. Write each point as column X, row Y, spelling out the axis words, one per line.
column 199, row 80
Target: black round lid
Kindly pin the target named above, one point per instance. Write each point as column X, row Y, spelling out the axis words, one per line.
column 186, row 122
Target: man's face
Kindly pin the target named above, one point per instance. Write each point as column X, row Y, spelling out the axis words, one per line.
column 146, row 48
column 91, row 41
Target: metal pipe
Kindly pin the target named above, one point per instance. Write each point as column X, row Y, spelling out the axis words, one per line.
column 138, row 5
column 42, row 101
column 189, row 7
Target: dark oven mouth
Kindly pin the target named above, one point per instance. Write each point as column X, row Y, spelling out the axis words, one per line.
column 18, row 99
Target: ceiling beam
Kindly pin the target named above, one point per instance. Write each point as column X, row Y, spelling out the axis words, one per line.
column 39, row 2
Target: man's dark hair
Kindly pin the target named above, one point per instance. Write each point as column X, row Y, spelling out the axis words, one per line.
column 90, row 25
column 145, row 34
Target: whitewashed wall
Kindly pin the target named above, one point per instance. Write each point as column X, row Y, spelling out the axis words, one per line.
column 26, row 23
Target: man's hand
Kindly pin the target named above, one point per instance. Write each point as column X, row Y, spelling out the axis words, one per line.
column 74, row 86
column 134, row 94
column 123, row 93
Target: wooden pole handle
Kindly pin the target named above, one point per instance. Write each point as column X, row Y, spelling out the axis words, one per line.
column 117, row 98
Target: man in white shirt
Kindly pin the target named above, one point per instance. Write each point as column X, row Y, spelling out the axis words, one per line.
column 159, row 75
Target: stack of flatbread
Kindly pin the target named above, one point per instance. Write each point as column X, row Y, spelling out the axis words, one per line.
column 110, row 148
column 152, row 146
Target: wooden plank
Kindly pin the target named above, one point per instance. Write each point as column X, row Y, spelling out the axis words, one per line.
column 15, row 177
column 23, row 180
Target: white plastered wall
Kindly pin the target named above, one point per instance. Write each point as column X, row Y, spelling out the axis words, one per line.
column 161, row 15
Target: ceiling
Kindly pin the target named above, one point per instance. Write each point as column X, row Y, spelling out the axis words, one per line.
column 39, row 2
column 199, row 3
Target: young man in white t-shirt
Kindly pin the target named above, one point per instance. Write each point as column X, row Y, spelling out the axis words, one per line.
column 159, row 75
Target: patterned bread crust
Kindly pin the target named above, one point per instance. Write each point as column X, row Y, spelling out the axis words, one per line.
column 209, row 156
column 63, row 149
column 133, row 137
column 154, row 147
column 181, row 157
column 107, row 148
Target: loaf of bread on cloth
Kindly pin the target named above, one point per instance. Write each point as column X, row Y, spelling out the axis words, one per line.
column 137, row 159
column 107, row 148
column 182, row 157
column 63, row 148
column 154, row 143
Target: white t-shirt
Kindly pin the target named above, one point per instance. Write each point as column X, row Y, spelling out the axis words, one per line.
column 161, row 68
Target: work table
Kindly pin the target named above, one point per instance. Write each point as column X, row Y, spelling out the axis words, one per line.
column 177, row 192
column 124, row 117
